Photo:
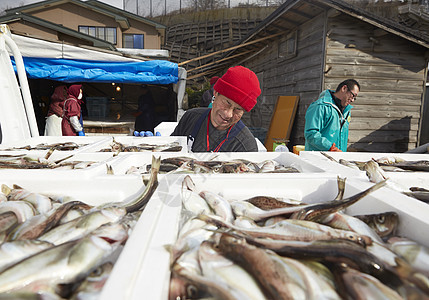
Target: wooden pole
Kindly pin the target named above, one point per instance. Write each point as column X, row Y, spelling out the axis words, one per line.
column 231, row 48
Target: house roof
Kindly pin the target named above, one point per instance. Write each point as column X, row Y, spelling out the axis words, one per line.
column 59, row 28
column 290, row 15
column 120, row 16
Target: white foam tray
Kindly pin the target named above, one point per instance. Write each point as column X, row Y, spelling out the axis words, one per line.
column 98, row 168
column 403, row 180
column 127, row 160
column 150, row 274
column 100, row 191
column 134, row 141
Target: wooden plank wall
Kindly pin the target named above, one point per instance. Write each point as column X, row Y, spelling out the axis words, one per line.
column 297, row 76
column 190, row 40
column 391, row 72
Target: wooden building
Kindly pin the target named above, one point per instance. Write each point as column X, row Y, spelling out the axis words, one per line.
column 308, row 46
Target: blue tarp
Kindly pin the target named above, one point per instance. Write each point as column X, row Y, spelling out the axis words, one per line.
column 68, row 70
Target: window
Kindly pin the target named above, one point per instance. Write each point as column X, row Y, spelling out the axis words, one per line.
column 134, row 41
column 287, row 47
column 104, row 33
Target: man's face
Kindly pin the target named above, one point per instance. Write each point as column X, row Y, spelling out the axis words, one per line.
column 225, row 112
column 348, row 96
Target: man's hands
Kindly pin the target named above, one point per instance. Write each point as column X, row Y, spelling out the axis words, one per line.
column 334, row 148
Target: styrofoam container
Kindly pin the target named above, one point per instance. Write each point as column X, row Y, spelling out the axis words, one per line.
column 96, row 192
column 128, row 160
column 402, row 180
column 98, row 167
column 152, row 276
column 134, row 141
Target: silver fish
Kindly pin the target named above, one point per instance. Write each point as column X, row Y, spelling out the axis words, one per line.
column 363, row 286
column 12, row 252
column 136, row 202
column 220, row 269
column 82, row 226
column 60, row 265
column 374, row 172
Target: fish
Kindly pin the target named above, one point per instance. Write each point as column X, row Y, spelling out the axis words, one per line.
column 40, row 224
column 289, row 229
column 267, row 269
column 83, row 225
column 317, row 210
column 335, row 251
column 219, row 205
column 41, row 203
column 8, row 220
column 247, row 209
column 220, row 269
column 55, row 267
column 141, row 198
column 191, row 199
column 267, row 203
column 91, row 287
column 374, row 172
column 349, row 164
column 362, row 286
column 384, row 224
column 22, row 209
column 414, row 253
column 201, row 286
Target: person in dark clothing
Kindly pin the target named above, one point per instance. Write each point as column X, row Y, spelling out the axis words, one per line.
column 208, row 95
column 219, row 128
column 145, row 115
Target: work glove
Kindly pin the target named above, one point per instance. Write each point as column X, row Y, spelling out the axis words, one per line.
column 148, row 133
column 334, row 148
column 81, row 133
column 136, row 133
column 158, row 133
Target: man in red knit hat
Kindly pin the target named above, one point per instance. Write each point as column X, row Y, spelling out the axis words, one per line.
column 219, row 129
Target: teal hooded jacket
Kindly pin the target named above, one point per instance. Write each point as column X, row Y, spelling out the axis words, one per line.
column 325, row 124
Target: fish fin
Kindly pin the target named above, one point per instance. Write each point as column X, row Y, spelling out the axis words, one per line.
column 5, row 189
column 109, row 170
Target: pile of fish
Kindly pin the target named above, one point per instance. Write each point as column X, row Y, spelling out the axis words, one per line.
column 59, row 248
column 118, row 147
column 67, row 146
column 23, row 161
column 185, row 164
column 271, row 248
column 377, row 169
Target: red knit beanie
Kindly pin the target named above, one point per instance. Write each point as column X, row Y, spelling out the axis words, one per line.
column 240, row 85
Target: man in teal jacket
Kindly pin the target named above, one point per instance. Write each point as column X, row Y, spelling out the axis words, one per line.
column 327, row 119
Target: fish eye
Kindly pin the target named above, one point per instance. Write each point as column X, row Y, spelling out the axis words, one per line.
column 191, row 291
column 381, row 219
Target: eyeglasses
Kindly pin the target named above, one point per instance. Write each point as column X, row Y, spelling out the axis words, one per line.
column 227, row 105
column 353, row 94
